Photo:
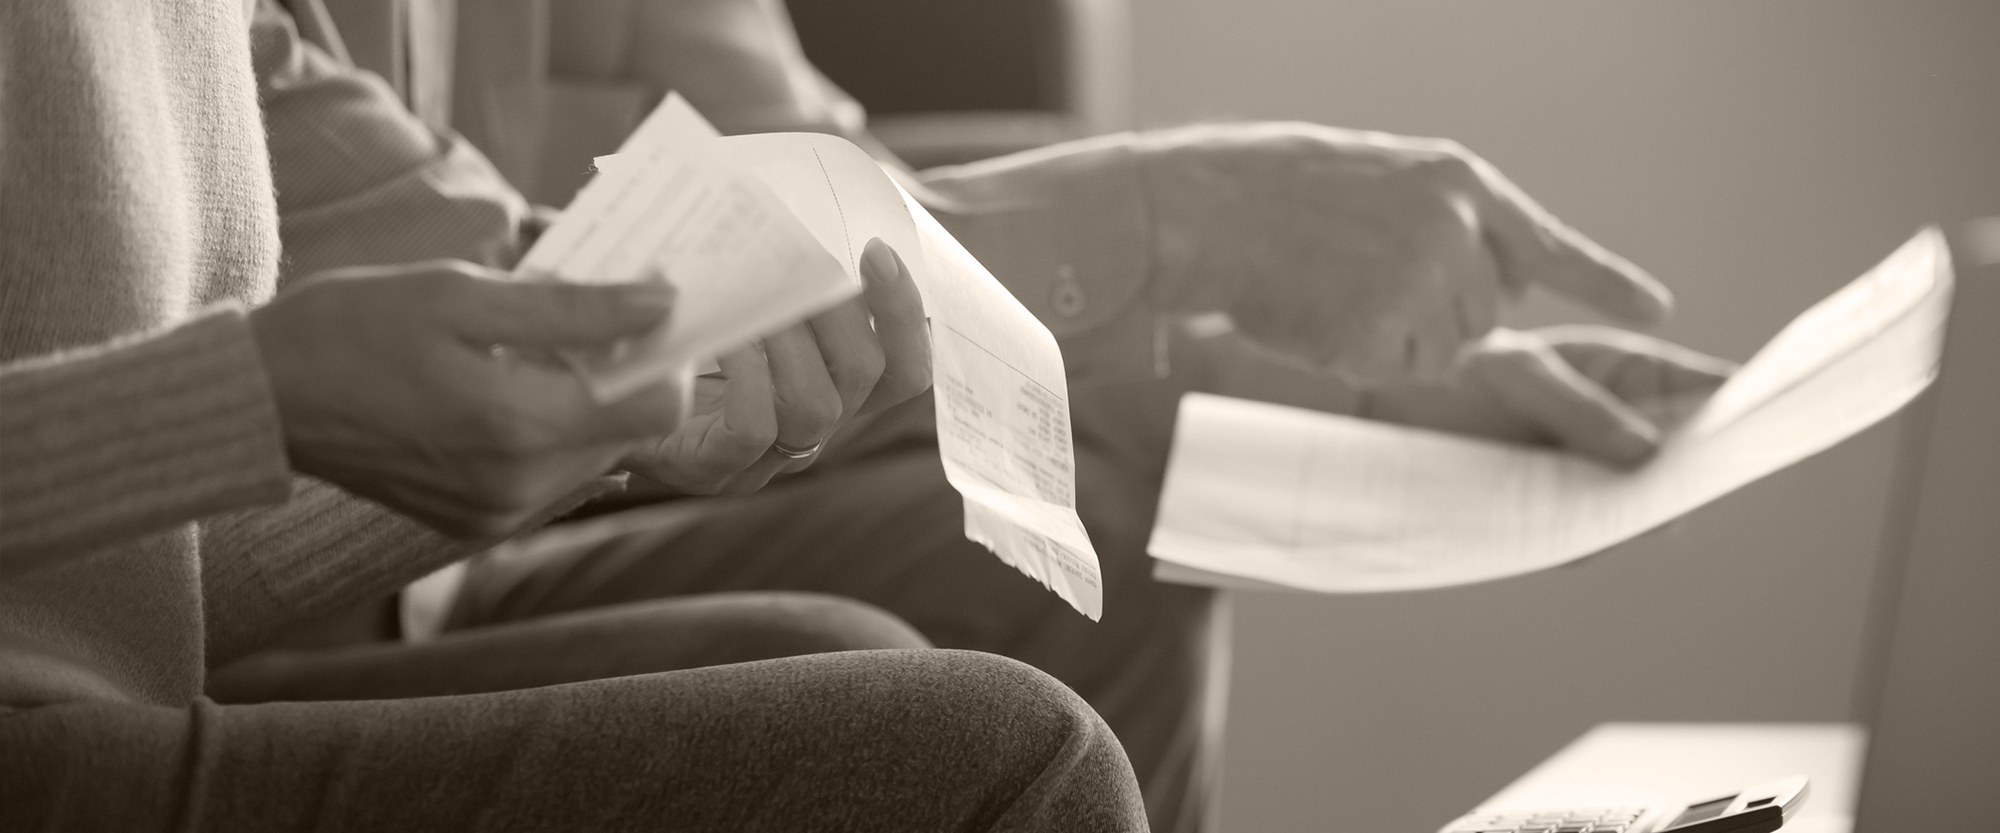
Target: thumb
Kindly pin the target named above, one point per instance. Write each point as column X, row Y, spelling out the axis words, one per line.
column 550, row 314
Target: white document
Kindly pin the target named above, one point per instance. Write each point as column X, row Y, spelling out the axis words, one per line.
column 1262, row 495
column 677, row 207
column 1002, row 394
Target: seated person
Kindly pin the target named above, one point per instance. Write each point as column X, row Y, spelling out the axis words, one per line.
column 137, row 398
column 1336, row 256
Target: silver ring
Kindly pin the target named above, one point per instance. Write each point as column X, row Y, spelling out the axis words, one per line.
column 791, row 453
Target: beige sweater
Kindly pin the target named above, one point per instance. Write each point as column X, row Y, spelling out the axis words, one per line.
column 136, row 220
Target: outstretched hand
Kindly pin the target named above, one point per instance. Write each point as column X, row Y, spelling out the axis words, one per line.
column 1377, row 257
column 1603, row 392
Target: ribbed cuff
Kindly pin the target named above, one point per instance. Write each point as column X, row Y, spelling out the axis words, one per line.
column 135, row 437
column 325, row 551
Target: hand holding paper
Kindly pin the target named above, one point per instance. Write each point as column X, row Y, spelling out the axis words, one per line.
column 1001, row 390
column 1266, row 495
column 758, row 232
column 795, row 388
column 415, row 385
column 1372, row 255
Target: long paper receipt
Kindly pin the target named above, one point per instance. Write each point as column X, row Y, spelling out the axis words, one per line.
column 1002, row 395
column 1001, row 392
column 1262, row 495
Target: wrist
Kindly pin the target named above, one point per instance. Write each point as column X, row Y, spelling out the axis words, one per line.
column 274, row 357
column 1065, row 228
column 282, row 340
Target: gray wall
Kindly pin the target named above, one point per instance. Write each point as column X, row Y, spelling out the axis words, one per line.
column 1755, row 155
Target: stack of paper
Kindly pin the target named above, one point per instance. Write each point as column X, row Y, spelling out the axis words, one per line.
column 1264, row 495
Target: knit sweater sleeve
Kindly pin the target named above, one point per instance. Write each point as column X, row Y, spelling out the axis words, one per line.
column 265, row 573
column 360, row 181
column 117, row 441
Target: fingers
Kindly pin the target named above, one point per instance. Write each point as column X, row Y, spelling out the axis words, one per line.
column 1532, row 246
column 1609, row 356
column 877, row 348
column 653, row 411
column 843, row 364
column 853, row 360
column 1530, row 379
column 733, row 431
column 540, row 405
column 485, row 310
column 807, row 401
column 1663, row 380
column 901, row 329
column 732, row 453
column 749, row 421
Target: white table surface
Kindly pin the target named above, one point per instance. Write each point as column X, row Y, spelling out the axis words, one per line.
column 1624, row 763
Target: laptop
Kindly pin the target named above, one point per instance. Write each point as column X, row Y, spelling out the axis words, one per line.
column 1930, row 680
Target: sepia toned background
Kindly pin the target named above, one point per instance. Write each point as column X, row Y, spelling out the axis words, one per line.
column 1755, row 156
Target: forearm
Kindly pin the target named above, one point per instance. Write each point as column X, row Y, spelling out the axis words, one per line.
column 1067, row 229
column 265, row 573
column 127, row 439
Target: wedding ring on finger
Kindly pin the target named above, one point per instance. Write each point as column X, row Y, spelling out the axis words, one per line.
column 791, row 453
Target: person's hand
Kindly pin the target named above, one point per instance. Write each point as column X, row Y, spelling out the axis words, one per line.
column 774, row 404
column 1603, row 392
column 419, row 386
column 1373, row 256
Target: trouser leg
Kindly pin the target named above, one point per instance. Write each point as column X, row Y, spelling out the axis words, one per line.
column 884, row 527
column 869, row 740
column 642, row 637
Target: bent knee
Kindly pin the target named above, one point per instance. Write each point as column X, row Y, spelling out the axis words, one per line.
column 1065, row 768
column 1022, row 701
